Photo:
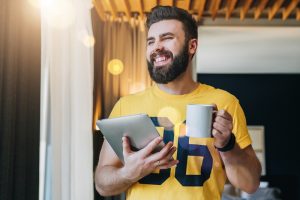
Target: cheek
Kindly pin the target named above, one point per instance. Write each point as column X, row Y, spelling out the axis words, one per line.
column 173, row 47
column 148, row 52
column 148, row 55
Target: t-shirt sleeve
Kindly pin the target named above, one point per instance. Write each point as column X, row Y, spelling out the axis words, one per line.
column 116, row 111
column 240, row 126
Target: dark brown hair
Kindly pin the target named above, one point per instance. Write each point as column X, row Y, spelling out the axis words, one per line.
column 160, row 13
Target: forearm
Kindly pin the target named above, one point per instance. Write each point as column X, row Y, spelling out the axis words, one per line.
column 242, row 168
column 109, row 181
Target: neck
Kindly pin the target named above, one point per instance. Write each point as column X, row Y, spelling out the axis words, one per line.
column 183, row 84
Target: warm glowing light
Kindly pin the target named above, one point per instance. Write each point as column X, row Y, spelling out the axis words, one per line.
column 171, row 113
column 136, row 87
column 58, row 14
column 87, row 39
column 35, row 3
column 115, row 67
column 91, row 5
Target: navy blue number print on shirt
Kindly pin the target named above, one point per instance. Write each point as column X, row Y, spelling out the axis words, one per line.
column 183, row 151
column 164, row 174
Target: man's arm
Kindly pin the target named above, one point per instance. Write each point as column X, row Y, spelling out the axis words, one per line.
column 112, row 177
column 242, row 168
column 241, row 165
column 106, row 174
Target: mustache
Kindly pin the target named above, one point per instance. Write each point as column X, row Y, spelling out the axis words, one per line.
column 166, row 53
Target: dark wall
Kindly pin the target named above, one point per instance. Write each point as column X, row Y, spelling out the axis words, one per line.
column 273, row 101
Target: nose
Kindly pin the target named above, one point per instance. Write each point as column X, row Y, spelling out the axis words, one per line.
column 158, row 47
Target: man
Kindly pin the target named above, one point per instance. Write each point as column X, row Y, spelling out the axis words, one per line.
column 186, row 168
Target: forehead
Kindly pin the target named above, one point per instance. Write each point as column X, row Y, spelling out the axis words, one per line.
column 165, row 26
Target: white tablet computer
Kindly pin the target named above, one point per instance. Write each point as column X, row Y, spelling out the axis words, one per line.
column 138, row 128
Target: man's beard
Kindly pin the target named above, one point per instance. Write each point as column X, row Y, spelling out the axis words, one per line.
column 166, row 74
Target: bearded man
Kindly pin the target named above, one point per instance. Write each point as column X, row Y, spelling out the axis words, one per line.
column 186, row 168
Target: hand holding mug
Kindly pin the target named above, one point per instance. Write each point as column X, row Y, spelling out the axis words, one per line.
column 222, row 126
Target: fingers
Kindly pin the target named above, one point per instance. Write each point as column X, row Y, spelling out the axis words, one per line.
column 223, row 122
column 150, row 147
column 168, row 158
column 126, row 146
column 222, row 128
column 220, row 139
column 162, row 153
column 167, row 161
column 168, row 165
column 216, row 133
column 224, row 114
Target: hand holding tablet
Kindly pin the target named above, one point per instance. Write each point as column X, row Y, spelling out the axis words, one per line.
column 139, row 129
column 137, row 143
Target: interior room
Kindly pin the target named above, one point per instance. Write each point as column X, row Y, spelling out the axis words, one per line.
column 64, row 64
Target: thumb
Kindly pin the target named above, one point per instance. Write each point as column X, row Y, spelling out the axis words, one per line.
column 126, row 146
column 215, row 107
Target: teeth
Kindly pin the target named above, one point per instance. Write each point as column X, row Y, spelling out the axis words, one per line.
column 159, row 59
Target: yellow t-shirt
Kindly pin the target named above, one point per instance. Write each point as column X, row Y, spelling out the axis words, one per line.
column 199, row 173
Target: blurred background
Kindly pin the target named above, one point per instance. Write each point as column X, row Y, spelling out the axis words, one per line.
column 64, row 64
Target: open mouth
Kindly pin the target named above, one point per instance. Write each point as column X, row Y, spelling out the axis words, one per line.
column 159, row 60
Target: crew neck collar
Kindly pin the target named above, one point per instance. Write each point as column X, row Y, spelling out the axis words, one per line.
column 164, row 94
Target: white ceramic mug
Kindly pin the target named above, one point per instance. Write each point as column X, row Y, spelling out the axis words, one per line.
column 198, row 120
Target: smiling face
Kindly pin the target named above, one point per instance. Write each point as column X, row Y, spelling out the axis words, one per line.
column 167, row 51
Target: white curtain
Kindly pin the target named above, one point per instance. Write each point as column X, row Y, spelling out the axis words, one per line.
column 66, row 148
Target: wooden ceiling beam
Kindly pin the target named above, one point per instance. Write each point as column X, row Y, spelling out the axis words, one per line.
column 287, row 11
column 274, row 9
column 245, row 9
column 201, row 8
column 148, row 5
column 99, row 9
column 230, row 7
column 166, row 2
column 184, row 4
column 127, row 8
column 112, row 7
column 214, row 7
column 140, row 8
column 261, row 6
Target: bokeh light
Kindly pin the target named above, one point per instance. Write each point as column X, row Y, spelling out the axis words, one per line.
column 87, row 39
column 115, row 67
column 35, row 3
column 58, row 14
column 171, row 113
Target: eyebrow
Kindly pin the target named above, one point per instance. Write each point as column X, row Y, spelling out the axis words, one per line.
column 161, row 35
column 150, row 38
column 166, row 34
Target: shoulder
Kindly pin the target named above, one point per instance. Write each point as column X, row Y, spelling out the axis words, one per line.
column 218, row 95
column 132, row 104
column 136, row 97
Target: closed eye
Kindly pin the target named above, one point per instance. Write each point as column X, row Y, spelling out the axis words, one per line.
column 168, row 38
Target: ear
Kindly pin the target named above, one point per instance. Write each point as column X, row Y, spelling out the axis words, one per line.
column 193, row 43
